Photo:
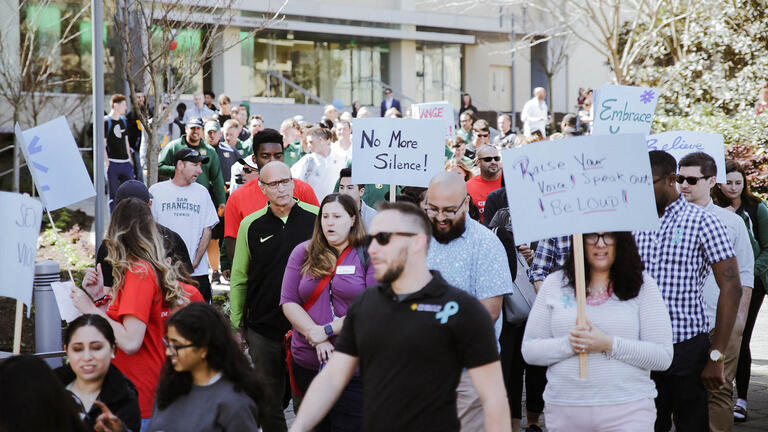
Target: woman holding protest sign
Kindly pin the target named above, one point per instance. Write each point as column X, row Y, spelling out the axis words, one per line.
column 735, row 194
column 627, row 335
column 96, row 385
column 321, row 279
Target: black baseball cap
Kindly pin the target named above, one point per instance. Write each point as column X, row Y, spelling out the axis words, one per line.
column 133, row 189
column 189, row 155
column 195, row 121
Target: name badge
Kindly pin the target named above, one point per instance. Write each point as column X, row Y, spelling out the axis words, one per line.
column 345, row 270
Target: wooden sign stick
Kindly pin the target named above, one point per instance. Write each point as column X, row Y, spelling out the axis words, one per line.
column 17, row 327
column 581, row 294
column 392, row 193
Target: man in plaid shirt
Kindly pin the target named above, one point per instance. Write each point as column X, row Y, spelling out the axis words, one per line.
column 679, row 256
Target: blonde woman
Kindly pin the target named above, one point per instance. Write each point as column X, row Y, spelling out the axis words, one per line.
column 459, row 167
column 144, row 292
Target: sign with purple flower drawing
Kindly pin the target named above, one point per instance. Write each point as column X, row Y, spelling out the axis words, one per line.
column 624, row 110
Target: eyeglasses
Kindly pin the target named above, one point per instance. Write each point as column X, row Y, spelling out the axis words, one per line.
column 482, row 135
column 175, row 348
column 464, row 121
column 277, row 183
column 609, row 239
column 691, row 180
column 490, row 158
column 450, row 213
column 383, row 237
column 247, row 170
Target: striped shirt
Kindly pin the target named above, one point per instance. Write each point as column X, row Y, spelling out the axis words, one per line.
column 642, row 342
column 678, row 256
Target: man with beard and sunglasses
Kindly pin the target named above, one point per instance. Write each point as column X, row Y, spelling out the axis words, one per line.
column 489, row 161
column 411, row 336
column 470, row 257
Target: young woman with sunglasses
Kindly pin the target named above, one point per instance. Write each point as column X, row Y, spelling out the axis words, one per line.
column 91, row 378
column 323, row 276
column 735, row 194
column 627, row 335
column 206, row 383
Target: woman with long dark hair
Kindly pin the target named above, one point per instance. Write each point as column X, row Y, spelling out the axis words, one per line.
column 89, row 375
column 627, row 335
column 321, row 279
column 735, row 194
column 206, row 383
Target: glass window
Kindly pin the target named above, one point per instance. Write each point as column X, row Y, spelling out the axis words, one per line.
column 438, row 73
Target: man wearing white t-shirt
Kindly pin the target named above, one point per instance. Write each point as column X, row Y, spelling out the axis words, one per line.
column 343, row 146
column 186, row 207
column 321, row 167
column 534, row 114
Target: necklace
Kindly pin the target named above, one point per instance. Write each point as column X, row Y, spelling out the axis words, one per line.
column 598, row 297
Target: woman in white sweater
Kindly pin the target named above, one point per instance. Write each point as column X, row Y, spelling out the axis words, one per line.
column 628, row 334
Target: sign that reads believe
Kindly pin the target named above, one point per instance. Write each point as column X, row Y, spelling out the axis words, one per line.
column 624, row 110
column 579, row 185
column 442, row 110
column 680, row 143
column 406, row 152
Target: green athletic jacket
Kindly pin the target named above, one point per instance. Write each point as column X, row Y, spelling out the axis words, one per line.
column 210, row 178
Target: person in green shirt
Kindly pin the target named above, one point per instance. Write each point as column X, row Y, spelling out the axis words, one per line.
column 210, row 177
column 291, row 141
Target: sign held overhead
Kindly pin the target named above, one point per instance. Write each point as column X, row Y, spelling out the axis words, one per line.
column 680, row 143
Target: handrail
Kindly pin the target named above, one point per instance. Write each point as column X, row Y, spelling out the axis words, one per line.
column 283, row 81
column 382, row 84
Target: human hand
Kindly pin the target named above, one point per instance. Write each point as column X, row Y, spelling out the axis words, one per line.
column 324, row 351
column 713, row 375
column 588, row 338
column 316, row 335
column 107, row 422
column 93, row 282
column 226, row 274
column 526, row 252
column 82, row 302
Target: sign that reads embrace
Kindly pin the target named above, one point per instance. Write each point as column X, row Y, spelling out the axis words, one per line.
column 406, row 152
column 442, row 110
column 624, row 110
column 20, row 217
column 579, row 185
column 680, row 143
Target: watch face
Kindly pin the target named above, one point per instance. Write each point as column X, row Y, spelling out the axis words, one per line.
column 715, row 355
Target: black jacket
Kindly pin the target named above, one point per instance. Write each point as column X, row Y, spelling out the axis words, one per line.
column 117, row 392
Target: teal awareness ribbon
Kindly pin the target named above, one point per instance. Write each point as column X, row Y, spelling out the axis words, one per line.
column 449, row 309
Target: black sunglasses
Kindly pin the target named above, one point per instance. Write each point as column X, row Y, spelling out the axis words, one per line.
column 483, row 135
column 691, row 180
column 247, row 170
column 490, row 158
column 383, row 238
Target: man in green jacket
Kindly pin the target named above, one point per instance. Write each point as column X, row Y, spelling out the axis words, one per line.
column 211, row 177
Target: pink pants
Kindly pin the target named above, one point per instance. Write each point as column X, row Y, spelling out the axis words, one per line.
column 637, row 416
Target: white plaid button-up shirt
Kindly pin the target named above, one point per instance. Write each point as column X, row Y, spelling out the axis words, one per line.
column 679, row 256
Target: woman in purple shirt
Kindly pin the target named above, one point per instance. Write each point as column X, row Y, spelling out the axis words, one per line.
column 334, row 261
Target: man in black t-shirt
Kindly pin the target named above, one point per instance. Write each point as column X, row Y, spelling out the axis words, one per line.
column 119, row 163
column 411, row 335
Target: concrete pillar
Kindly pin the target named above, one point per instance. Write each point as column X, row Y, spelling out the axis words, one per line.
column 225, row 69
column 402, row 70
column 522, row 78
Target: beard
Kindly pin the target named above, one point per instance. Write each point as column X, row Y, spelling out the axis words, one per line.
column 456, row 228
column 396, row 269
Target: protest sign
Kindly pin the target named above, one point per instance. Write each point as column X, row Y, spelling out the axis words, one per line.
column 21, row 216
column 442, row 110
column 67, row 309
column 55, row 163
column 624, row 110
column 579, row 185
column 405, row 152
column 680, row 143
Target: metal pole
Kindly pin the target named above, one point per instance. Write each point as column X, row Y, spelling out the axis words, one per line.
column 47, row 318
column 512, row 87
column 97, row 75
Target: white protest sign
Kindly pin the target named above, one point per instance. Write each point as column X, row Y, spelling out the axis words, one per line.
column 55, row 163
column 442, row 110
column 579, row 185
column 67, row 309
column 624, row 110
column 680, row 143
column 20, row 217
column 405, row 152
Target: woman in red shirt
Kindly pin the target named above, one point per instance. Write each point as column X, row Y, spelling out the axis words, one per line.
column 146, row 290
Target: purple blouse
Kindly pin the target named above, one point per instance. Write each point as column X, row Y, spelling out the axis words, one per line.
column 345, row 287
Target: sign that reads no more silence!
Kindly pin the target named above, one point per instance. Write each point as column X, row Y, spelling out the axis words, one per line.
column 580, row 185
column 405, row 152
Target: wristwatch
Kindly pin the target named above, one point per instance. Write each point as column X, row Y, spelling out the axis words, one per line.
column 716, row 356
column 328, row 330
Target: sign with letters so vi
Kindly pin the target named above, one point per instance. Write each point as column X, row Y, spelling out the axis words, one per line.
column 442, row 110
column 680, row 143
column 624, row 110
column 405, row 152
column 580, row 185
column 20, row 217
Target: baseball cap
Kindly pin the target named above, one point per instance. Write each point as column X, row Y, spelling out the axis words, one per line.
column 189, row 155
column 248, row 161
column 195, row 121
column 133, row 189
column 211, row 125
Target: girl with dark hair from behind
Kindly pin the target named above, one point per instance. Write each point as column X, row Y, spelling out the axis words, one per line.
column 206, row 383
column 90, row 345
column 32, row 399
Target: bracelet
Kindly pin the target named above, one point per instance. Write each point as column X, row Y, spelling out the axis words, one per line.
column 102, row 301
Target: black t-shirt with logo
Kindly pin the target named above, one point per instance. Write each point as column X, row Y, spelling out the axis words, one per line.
column 114, row 131
column 412, row 352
